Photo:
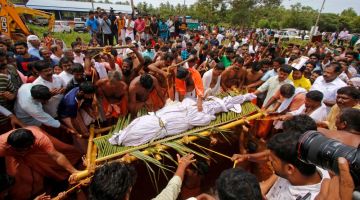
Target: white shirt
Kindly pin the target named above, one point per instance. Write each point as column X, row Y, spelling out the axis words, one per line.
column 101, row 70
column 66, row 77
column 51, row 106
column 328, row 89
column 318, row 115
column 79, row 59
column 55, row 58
column 220, row 37
column 30, row 111
column 272, row 85
column 283, row 190
column 207, row 77
column 171, row 26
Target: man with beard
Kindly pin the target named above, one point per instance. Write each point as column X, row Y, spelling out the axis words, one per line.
column 234, row 76
column 347, row 97
column 73, row 107
column 329, row 83
column 55, row 84
column 144, row 91
column 45, row 54
column 293, row 178
column 113, row 95
column 23, row 58
column 130, row 69
column 78, row 77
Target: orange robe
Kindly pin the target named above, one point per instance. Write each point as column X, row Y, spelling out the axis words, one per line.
column 115, row 110
column 30, row 167
column 154, row 102
column 180, row 85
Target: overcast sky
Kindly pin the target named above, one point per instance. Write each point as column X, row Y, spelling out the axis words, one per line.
column 335, row 6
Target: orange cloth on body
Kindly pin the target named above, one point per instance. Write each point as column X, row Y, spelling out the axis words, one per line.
column 29, row 168
column 115, row 110
column 180, row 85
column 154, row 101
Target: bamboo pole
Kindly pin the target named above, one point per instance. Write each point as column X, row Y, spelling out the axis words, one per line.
column 113, row 47
column 86, row 173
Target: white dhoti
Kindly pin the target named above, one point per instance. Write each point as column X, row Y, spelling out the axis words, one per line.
column 174, row 119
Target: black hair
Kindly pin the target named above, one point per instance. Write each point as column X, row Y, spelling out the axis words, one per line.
column 53, row 48
column 266, row 62
column 317, row 72
column 21, row 138
column 112, row 181
column 336, row 65
column 146, row 81
column 229, row 50
column 87, row 87
column 286, row 68
column 284, row 146
column 147, row 62
column 77, row 68
column 182, row 73
column 41, row 65
column 40, row 92
column 287, row 90
column 91, row 12
column 21, row 43
column 188, row 44
column 128, row 61
column 6, row 182
column 299, row 123
column 350, row 91
column 279, row 60
column 353, row 53
column 73, row 44
column 219, row 66
column 311, row 63
column 315, row 95
column 239, row 60
column 237, row 184
column 315, row 55
column 351, row 116
column 64, row 60
column 128, row 39
column 168, row 56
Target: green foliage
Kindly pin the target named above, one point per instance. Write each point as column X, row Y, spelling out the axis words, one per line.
column 257, row 13
column 68, row 38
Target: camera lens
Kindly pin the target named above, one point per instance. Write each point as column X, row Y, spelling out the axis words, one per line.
column 319, row 150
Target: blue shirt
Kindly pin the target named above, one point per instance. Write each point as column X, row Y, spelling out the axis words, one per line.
column 93, row 23
column 150, row 54
column 68, row 106
column 184, row 54
column 268, row 75
column 34, row 52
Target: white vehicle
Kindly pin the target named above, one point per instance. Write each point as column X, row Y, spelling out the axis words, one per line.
column 61, row 26
column 287, row 35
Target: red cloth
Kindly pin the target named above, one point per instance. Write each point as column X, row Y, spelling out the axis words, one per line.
column 30, row 167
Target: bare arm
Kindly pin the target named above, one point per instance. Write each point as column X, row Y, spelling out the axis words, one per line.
column 141, row 60
column 224, row 76
column 61, row 160
column 156, row 67
column 256, row 84
column 266, row 185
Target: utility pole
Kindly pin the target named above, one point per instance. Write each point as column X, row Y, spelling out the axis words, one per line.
column 92, row 4
column 317, row 19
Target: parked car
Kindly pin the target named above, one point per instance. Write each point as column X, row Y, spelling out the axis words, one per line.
column 80, row 27
column 287, row 35
column 62, row 26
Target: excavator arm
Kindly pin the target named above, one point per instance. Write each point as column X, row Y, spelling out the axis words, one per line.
column 11, row 22
column 38, row 13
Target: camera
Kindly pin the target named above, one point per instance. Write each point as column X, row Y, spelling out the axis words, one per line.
column 315, row 148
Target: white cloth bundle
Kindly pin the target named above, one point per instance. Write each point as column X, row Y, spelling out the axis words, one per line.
column 174, row 119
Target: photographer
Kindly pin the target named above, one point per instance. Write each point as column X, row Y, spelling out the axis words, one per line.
column 294, row 178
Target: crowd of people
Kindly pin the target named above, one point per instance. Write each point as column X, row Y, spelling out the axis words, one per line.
column 50, row 93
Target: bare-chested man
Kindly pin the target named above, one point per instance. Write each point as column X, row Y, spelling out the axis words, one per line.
column 113, row 95
column 254, row 74
column 132, row 65
column 348, row 128
column 145, row 91
column 234, row 76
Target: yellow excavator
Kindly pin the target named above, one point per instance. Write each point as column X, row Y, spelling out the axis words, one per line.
column 11, row 19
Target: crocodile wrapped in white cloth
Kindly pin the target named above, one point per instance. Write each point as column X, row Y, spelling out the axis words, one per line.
column 176, row 118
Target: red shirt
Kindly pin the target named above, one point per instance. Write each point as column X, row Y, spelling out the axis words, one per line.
column 139, row 25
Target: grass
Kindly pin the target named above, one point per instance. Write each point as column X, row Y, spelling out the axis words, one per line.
column 68, row 38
